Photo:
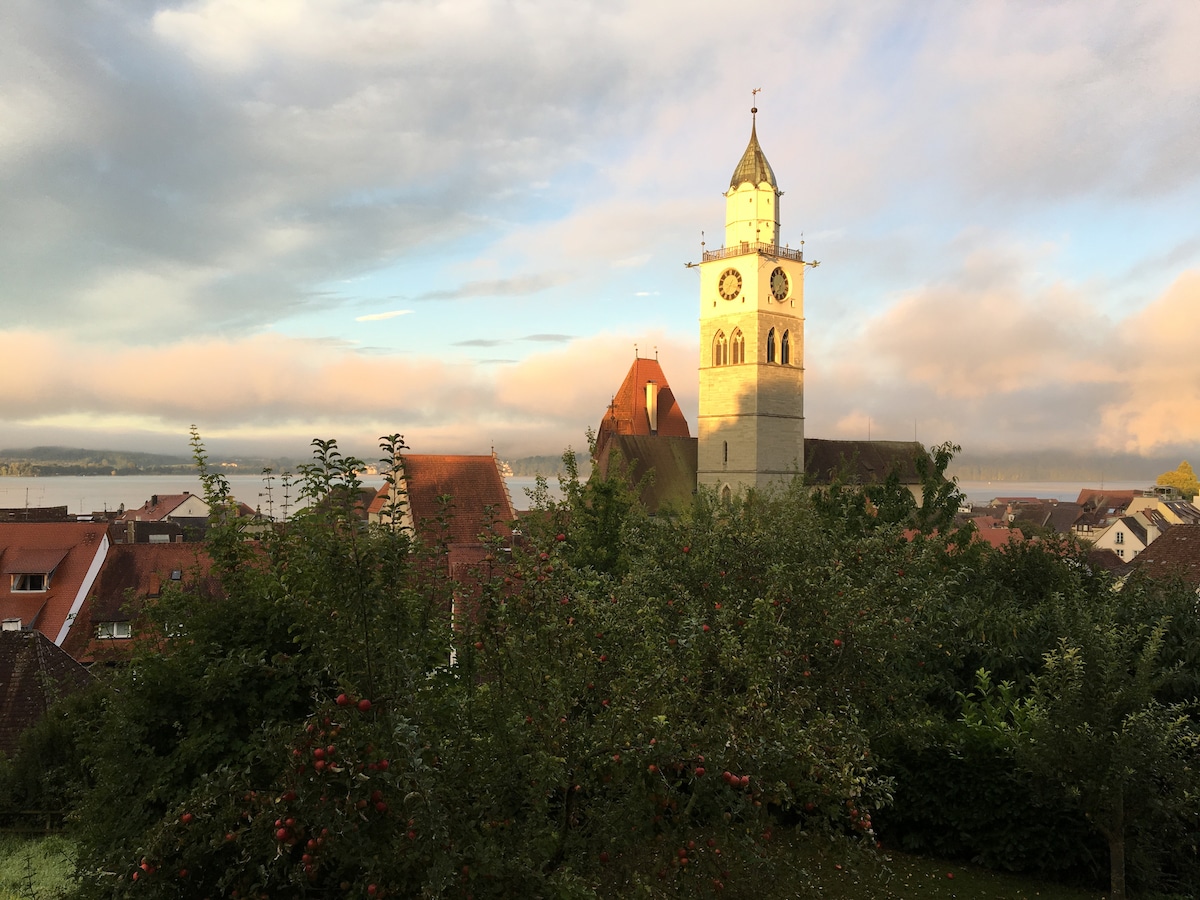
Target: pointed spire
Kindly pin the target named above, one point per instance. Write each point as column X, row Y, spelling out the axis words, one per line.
column 753, row 167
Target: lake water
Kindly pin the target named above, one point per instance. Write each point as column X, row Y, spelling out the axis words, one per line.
column 84, row 494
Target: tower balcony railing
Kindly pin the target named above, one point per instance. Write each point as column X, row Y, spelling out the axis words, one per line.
column 773, row 250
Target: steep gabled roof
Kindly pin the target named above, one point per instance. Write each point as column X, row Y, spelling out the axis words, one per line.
column 69, row 552
column 132, row 573
column 33, row 674
column 670, row 462
column 478, row 497
column 628, row 412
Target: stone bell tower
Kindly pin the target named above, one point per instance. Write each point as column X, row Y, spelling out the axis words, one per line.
column 751, row 424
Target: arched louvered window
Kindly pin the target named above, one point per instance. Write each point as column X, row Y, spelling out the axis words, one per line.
column 720, row 353
column 737, row 345
column 785, row 349
column 771, row 346
column 726, row 495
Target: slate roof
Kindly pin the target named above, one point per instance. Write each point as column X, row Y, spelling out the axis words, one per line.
column 132, row 573
column 71, row 552
column 33, row 673
column 478, row 496
column 753, row 167
column 671, row 460
column 1063, row 517
column 627, row 414
column 860, row 462
column 1174, row 554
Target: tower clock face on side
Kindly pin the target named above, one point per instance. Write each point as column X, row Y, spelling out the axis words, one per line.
column 779, row 283
column 730, row 283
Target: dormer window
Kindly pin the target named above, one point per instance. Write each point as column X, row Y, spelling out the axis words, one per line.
column 31, row 581
column 116, row 630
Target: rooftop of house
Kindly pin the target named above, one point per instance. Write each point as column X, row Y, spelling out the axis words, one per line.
column 630, row 413
column 131, row 574
column 1175, row 554
column 476, row 495
column 33, row 674
column 1100, row 498
column 44, row 568
column 157, row 507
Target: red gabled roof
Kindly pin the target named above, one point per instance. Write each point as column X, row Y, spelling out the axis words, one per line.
column 132, row 573
column 627, row 414
column 1174, row 554
column 157, row 507
column 477, row 496
column 74, row 548
column 1098, row 497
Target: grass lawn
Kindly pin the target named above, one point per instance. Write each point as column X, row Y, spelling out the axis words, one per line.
column 812, row 867
column 795, row 867
column 35, row 868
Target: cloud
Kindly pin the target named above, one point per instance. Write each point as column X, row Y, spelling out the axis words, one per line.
column 379, row 317
column 991, row 359
column 253, row 386
column 517, row 286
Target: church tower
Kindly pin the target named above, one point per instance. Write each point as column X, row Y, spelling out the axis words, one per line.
column 751, row 426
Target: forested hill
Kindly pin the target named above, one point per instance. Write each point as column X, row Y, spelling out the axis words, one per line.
column 78, row 461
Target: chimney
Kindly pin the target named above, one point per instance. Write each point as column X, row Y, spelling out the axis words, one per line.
column 154, row 500
column 652, row 406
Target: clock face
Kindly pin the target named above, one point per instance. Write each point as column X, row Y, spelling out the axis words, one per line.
column 779, row 283
column 730, row 283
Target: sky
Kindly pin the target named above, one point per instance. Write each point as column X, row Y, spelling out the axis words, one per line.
column 457, row 219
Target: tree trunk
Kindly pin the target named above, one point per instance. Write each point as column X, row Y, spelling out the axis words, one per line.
column 1116, row 850
column 1116, row 866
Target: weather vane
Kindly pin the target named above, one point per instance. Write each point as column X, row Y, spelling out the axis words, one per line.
column 754, row 100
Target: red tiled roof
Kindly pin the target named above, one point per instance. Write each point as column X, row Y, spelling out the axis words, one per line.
column 1174, row 554
column 80, row 548
column 26, row 561
column 157, row 507
column 1097, row 497
column 628, row 413
column 131, row 573
column 33, row 673
column 478, row 496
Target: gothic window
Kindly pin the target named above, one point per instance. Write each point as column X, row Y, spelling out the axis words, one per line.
column 738, row 346
column 726, row 495
column 785, row 349
column 771, row 346
column 720, row 350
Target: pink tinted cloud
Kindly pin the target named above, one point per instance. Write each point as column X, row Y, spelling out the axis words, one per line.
column 269, row 385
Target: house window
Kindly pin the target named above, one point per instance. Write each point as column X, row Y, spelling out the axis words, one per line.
column 720, row 350
column 1120, row 537
column 771, row 346
column 32, row 581
column 114, row 630
column 738, row 345
column 1121, row 553
column 785, row 349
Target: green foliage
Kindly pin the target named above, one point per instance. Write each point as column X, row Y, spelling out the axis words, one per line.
column 607, row 693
